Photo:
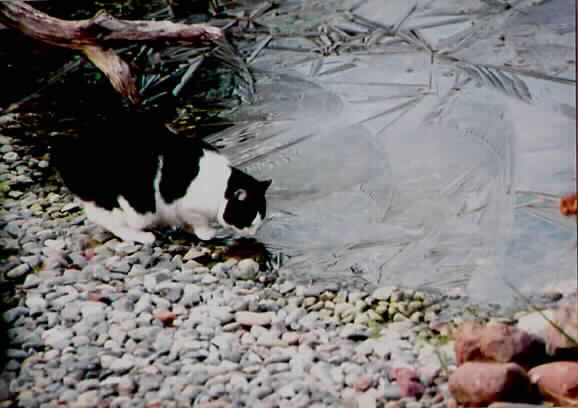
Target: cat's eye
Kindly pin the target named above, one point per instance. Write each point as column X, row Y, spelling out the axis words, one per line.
column 241, row 194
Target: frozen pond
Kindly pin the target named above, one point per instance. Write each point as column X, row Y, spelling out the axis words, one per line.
column 422, row 143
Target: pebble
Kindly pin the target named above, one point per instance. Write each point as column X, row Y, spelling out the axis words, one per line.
column 19, row 271
column 122, row 365
column 383, row 293
column 93, row 312
column 247, row 269
column 36, row 305
column 11, row 156
column 13, row 314
column 171, row 291
column 363, row 383
column 391, row 392
column 57, row 337
column 367, row 400
column 88, row 399
column 253, row 319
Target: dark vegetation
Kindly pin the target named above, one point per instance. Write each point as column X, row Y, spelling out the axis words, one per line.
column 59, row 90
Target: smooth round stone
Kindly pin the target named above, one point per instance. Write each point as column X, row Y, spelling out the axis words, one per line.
column 383, row 293
column 36, row 304
column 391, row 392
column 11, row 156
column 246, row 269
column 93, row 312
column 367, row 400
column 18, row 271
column 253, row 318
column 88, row 399
column 13, row 314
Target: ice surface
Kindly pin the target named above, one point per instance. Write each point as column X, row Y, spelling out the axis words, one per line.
column 429, row 157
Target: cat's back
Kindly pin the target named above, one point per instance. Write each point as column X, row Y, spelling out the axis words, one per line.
column 130, row 156
column 111, row 159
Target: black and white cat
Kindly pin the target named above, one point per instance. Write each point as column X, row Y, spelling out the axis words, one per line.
column 134, row 175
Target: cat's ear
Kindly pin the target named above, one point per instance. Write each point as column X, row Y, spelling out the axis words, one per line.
column 265, row 184
column 240, row 194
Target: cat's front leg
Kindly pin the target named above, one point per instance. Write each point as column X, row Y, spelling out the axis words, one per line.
column 201, row 226
column 127, row 234
column 205, row 233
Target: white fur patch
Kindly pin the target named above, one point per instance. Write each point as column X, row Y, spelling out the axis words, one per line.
column 125, row 223
column 203, row 202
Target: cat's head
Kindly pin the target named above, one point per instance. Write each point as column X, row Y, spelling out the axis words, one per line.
column 245, row 205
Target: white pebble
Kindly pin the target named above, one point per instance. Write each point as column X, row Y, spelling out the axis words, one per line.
column 253, row 318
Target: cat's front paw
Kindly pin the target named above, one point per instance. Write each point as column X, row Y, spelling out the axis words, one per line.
column 205, row 233
column 137, row 236
column 146, row 238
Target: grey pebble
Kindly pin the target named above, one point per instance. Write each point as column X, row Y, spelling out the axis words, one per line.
column 122, row 365
column 301, row 400
column 36, row 305
column 246, row 269
column 383, row 293
column 170, row 290
column 93, row 312
column 11, row 156
column 14, row 228
column 98, row 272
column 143, row 305
column 391, row 392
column 220, row 270
column 294, row 317
column 32, row 260
column 18, row 271
column 68, row 395
column 231, row 327
column 191, row 295
column 66, row 301
column 197, row 375
column 14, row 314
column 209, row 280
column 121, row 267
column 286, row 287
column 88, row 399
column 144, row 333
column 253, row 318
column 57, row 337
column 309, row 291
column 15, row 354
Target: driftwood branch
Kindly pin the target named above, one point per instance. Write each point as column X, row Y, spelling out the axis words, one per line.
column 95, row 36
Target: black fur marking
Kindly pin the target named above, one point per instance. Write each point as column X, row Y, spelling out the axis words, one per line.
column 181, row 158
column 242, row 213
column 99, row 167
column 121, row 158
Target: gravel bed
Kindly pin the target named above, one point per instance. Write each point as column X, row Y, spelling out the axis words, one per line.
column 91, row 321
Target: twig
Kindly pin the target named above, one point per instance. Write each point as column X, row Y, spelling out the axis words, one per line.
column 93, row 37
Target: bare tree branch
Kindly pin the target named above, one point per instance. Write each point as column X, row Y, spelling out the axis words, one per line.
column 94, row 36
